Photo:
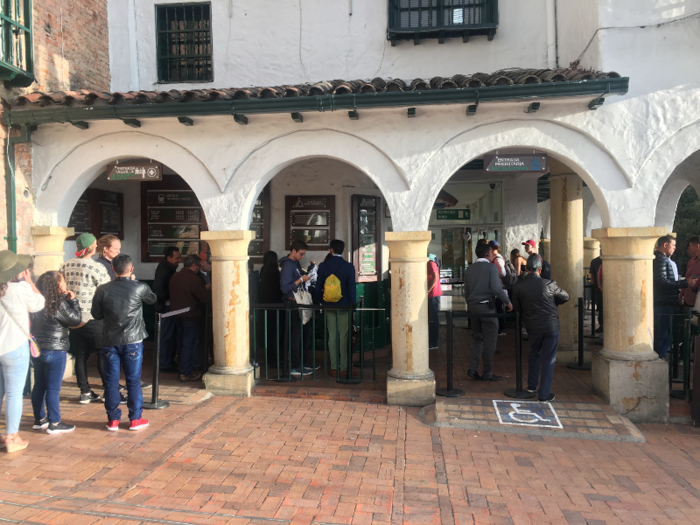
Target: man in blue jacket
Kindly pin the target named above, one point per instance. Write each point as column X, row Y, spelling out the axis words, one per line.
column 338, row 322
column 293, row 280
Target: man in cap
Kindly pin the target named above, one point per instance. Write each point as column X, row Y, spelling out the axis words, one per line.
column 83, row 276
column 531, row 249
column 537, row 299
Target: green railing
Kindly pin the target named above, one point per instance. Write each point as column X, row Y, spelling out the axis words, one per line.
column 271, row 341
column 679, row 355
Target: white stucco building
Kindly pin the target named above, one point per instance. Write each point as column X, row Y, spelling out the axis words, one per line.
column 240, row 99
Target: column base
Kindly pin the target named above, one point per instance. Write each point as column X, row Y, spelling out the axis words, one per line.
column 635, row 388
column 410, row 392
column 229, row 382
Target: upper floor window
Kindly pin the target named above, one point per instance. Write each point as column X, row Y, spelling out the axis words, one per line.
column 16, row 64
column 415, row 19
column 184, row 42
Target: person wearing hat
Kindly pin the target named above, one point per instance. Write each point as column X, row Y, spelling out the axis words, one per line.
column 18, row 298
column 434, row 293
column 537, row 300
column 531, row 249
column 83, row 276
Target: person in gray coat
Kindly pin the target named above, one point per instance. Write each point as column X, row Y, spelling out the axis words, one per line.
column 481, row 287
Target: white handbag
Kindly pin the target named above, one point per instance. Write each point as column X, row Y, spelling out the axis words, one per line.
column 303, row 297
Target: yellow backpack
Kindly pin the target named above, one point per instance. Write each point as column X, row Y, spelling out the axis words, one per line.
column 331, row 289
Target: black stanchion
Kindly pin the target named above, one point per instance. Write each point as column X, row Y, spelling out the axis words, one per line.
column 450, row 391
column 157, row 404
column 518, row 393
column 579, row 364
column 286, row 364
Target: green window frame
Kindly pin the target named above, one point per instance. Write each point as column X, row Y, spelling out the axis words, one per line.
column 184, row 43
column 16, row 52
column 416, row 19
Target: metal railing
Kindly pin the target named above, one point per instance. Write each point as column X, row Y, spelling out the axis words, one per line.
column 272, row 341
column 682, row 332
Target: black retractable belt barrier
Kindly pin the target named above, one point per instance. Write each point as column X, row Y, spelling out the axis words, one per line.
column 518, row 393
column 579, row 364
column 158, row 404
column 449, row 391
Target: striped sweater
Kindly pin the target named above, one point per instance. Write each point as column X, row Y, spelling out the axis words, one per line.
column 83, row 276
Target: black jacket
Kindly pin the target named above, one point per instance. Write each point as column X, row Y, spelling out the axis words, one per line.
column 666, row 288
column 51, row 333
column 269, row 291
column 120, row 305
column 537, row 299
column 161, row 283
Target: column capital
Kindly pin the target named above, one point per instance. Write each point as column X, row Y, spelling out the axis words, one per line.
column 50, row 231
column 650, row 232
column 229, row 245
column 48, row 247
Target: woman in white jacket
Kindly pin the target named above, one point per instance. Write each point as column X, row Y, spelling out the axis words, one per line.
column 18, row 298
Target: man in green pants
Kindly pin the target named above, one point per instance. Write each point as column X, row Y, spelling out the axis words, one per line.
column 336, row 288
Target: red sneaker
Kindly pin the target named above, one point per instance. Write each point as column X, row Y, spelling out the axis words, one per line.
column 113, row 425
column 138, row 424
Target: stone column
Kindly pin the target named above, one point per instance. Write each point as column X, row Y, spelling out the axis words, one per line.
column 48, row 247
column 591, row 250
column 627, row 373
column 232, row 373
column 547, row 249
column 567, row 256
column 410, row 381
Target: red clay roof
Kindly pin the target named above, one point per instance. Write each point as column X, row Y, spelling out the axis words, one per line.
column 342, row 87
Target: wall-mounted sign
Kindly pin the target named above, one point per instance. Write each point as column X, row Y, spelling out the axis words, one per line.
column 173, row 198
column 138, row 171
column 310, row 218
column 98, row 212
column 515, row 163
column 453, row 215
column 156, row 215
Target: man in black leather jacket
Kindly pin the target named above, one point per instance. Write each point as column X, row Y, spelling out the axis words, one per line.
column 537, row 299
column 161, row 286
column 667, row 289
column 120, row 305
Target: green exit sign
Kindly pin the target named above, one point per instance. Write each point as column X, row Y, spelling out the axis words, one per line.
column 454, row 215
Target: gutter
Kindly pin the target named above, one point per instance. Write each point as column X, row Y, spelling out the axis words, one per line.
column 10, row 188
column 321, row 103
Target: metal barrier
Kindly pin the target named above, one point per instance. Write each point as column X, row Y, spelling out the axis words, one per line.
column 681, row 338
column 579, row 364
column 516, row 392
column 276, row 322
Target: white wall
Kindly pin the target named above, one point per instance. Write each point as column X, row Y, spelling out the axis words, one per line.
column 293, row 41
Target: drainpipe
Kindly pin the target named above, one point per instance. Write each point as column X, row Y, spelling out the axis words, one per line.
column 10, row 197
column 552, row 35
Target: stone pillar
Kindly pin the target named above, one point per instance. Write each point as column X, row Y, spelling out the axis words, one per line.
column 567, row 256
column 48, row 247
column 627, row 373
column 410, row 381
column 591, row 250
column 547, row 249
column 232, row 373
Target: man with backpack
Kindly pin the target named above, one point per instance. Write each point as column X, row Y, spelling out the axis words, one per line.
column 508, row 276
column 336, row 288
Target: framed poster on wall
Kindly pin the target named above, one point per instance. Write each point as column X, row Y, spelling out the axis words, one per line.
column 366, row 242
column 260, row 224
column 310, row 218
column 99, row 212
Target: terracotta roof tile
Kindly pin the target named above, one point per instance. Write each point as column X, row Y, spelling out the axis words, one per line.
column 504, row 77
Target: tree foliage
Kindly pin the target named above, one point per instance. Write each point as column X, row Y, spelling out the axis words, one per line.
column 686, row 225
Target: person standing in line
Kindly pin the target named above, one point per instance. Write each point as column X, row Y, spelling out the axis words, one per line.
column 161, row 286
column 481, row 287
column 593, row 270
column 500, row 264
column 312, row 272
column 537, row 300
column 18, row 298
column 83, row 276
column 269, row 292
column 518, row 261
column 108, row 247
column 692, row 271
column 119, row 304
column 531, row 249
column 293, row 280
column 337, row 275
column 434, row 293
column 50, row 328
column 187, row 290
column 667, row 288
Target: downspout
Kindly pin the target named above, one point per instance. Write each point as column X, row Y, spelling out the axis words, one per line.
column 552, row 35
column 10, row 197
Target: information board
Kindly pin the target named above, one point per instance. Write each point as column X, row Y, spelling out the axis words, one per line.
column 366, row 242
column 310, row 218
column 98, row 212
column 453, row 215
column 515, row 163
column 260, row 224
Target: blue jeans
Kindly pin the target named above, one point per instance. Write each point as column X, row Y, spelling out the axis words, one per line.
column 48, row 377
column 662, row 329
column 13, row 375
column 130, row 358
column 188, row 330
column 433, row 321
column 168, row 344
column 543, row 349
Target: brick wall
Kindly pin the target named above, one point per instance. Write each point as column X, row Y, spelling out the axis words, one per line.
column 71, row 51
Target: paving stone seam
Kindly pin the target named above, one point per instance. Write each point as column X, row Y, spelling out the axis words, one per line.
column 399, row 469
column 676, row 477
column 446, row 509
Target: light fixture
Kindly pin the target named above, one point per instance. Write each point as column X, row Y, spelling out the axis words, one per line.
column 411, row 112
column 241, row 119
column 596, row 103
column 80, row 124
column 353, row 114
column 534, row 106
column 471, row 110
column 185, row 121
column 297, row 117
column 132, row 122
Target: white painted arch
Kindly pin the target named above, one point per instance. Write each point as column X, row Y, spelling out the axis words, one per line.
column 65, row 181
column 596, row 166
column 250, row 176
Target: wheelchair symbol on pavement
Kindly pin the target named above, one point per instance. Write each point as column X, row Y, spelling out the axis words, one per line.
column 527, row 413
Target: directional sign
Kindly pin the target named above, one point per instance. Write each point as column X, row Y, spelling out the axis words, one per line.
column 454, row 215
column 146, row 171
column 515, row 163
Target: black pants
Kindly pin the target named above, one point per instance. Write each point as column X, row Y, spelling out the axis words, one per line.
column 598, row 298
column 86, row 340
column 299, row 332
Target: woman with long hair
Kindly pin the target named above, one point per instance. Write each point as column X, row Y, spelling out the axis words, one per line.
column 518, row 261
column 18, row 298
column 50, row 328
